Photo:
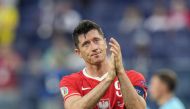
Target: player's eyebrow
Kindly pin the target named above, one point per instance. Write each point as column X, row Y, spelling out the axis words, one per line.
column 96, row 38
column 84, row 43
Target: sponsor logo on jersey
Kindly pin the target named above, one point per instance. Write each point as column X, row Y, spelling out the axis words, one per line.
column 64, row 91
column 86, row 88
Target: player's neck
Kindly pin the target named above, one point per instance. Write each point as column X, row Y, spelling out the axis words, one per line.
column 97, row 70
column 165, row 98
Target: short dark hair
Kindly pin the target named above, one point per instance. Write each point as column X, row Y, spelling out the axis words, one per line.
column 83, row 28
column 168, row 77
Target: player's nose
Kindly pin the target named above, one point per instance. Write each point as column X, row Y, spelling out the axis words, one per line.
column 94, row 47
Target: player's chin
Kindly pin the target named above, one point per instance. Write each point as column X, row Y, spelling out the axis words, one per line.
column 97, row 60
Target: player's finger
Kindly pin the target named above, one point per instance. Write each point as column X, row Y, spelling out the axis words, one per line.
column 112, row 58
column 116, row 59
column 115, row 41
column 114, row 51
column 114, row 46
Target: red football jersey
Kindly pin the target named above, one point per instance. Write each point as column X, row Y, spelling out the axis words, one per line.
column 81, row 83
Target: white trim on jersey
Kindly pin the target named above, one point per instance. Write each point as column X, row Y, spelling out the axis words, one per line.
column 67, row 96
column 96, row 78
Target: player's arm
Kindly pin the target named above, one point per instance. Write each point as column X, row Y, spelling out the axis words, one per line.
column 91, row 99
column 131, row 98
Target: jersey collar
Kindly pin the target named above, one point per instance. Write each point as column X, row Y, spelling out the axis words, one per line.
column 95, row 78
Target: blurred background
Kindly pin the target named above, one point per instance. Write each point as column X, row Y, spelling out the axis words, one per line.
column 36, row 47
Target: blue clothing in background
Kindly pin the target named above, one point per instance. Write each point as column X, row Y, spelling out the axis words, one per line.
column 173, row 103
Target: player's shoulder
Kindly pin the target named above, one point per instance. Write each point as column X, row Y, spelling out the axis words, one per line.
column 71, row 78
column 135, row 77
column 74, row 76
column 138, row 81
column 134, row 74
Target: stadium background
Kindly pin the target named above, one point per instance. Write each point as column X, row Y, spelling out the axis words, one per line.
column 36, row 47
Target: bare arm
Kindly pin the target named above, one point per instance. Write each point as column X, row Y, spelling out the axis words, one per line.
column 131, row 98
column 91, row 99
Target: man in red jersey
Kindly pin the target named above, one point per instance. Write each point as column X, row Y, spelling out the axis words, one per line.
column 103, row 83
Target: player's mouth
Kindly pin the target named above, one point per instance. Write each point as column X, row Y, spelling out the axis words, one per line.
column 95, row 54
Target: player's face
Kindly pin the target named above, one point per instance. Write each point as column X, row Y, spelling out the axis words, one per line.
column 157, row 88
column 92, row 47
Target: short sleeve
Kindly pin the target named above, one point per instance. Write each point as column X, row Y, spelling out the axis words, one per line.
column 68, row 88
column 138, row 82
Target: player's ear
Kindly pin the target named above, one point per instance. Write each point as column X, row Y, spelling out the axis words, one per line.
column 77, row 52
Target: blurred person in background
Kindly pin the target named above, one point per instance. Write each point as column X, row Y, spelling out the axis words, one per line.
column 66, row 18
column 141, row 61
column 162, row 90
column 8, row 22
column 57, row 16
column 10, row 64
column 55, row 57
column 10, row 60
column 158, row 20
column 178, row 18
column 132, row 20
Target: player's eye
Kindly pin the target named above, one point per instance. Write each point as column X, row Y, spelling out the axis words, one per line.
column 96, row 40
column 86, row 44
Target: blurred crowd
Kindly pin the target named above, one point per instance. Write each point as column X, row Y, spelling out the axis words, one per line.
column 36, row 47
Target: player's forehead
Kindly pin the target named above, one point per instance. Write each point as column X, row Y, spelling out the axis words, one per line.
column 89, row 36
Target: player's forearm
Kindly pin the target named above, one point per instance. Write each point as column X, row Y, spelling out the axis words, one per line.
column 91, row 99
column 131, row 99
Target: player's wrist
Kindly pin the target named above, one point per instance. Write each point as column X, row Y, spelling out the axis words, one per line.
column 120, row 71
column 109, row 79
